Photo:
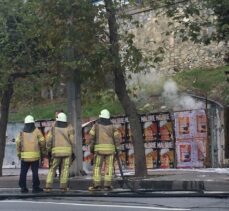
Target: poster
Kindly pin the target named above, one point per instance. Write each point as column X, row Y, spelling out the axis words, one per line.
column 166, row 158
column 185, row 152
column 130, row 157
column 120, row 124
column 200, row 124
column 151, row 158
column 191, row 142
column 159, row 140
column 183, row 125
column 45, row 127
column 201, row 148
column 184, row 155
column 166, row 131
column 87, row 154
column 150, row 131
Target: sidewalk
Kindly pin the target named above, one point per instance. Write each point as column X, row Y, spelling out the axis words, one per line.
column 158, row 180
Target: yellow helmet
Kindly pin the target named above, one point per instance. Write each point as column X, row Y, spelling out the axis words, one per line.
column 61, row 117
column 29, row 119
column 105, row 114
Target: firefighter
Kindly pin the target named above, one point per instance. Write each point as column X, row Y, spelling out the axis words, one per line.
column 60, row 142
column 30, row 146
column 103, row 136
column 50, row 153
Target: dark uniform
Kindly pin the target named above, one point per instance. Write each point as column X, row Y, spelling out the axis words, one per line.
column 30, row 144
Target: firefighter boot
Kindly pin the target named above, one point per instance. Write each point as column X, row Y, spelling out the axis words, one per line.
column 94, row 188
column 48, row 190
column 37, row 190
column 63, row 190
column 108, row 188
column 24, row 190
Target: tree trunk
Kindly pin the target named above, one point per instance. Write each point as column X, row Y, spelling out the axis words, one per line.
column 5, row 104
column 74, row 110
column 226, row 129
column 121, row 91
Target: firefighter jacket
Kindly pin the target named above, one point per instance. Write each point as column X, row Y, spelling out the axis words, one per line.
column 104, row 136
column 30, row 145
column 60, row 140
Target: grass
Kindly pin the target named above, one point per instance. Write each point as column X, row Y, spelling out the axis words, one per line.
column 43, row 111
column 204, row 80
column 93, row 109
column 46, row 111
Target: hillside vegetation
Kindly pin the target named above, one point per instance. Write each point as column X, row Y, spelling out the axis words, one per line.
column 209, row 83
column 203, row 82
column 47, row 110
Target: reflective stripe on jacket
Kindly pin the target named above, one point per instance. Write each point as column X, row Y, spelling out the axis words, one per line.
column 104, row 136
column 60, row 141
column 29, row 145
column 104, row 147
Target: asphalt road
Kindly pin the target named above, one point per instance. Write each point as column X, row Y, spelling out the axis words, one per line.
column 115, row 203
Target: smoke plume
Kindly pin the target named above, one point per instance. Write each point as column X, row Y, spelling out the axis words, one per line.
column 175, row 101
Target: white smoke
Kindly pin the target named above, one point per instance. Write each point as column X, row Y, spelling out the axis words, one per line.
column 173, row 100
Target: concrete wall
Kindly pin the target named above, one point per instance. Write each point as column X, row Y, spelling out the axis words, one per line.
column 217, row 135
column 11, row 160
column 226, row 125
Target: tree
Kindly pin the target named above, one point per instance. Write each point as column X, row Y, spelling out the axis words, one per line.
column 221, row 10
column 88, row 51
column 121, row 91
column 34, row 40
column 19, row 54
column 72, row 35
column 192, row 15
column 196, row 15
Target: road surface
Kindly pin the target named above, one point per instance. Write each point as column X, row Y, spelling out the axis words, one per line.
column 115, row 203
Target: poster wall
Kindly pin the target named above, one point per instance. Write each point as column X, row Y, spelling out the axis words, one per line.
column 45, row 126
column 191, row 138
column 181, row 137
column 158, row 137
column 184, row 141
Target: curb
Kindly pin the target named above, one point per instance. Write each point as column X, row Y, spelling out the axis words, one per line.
column 116, row 193
column 155, row 185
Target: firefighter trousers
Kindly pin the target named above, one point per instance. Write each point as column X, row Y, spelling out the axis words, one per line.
column 65, row 164
column 101, row 159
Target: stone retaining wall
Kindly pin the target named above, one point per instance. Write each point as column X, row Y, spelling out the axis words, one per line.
column 178, row 55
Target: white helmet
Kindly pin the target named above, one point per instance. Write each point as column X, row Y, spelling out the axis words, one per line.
column 29, row 119
column 61, row 117
column 105, row 114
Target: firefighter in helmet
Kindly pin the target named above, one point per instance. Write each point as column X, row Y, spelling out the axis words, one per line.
column 30, row 146
column 103, row 137
column 60, row 142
